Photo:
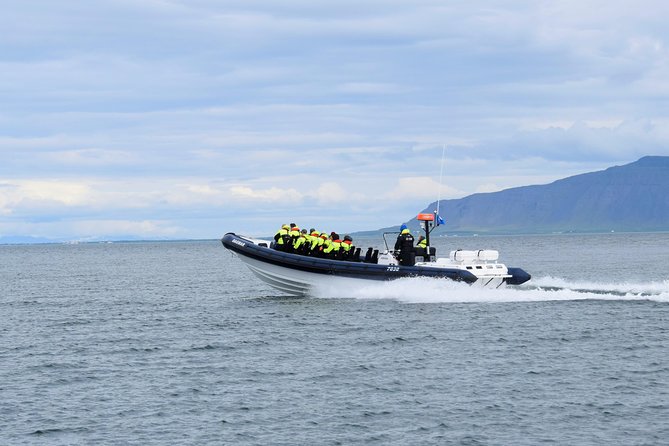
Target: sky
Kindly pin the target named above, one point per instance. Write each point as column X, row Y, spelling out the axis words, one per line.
column 187, row 119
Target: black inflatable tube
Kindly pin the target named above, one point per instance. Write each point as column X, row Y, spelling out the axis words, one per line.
column 518, row 276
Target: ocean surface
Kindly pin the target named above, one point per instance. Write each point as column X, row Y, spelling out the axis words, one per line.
column 178, row 343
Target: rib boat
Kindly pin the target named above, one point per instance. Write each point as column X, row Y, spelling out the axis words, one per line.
column 297, row 274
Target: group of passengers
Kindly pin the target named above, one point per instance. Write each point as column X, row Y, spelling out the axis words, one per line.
column 290, row 238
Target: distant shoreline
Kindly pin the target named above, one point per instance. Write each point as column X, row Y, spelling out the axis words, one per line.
column 353, row 234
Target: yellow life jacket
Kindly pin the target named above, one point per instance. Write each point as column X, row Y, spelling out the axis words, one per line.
column 300, row 241
column 328, row 246
column 278, row 237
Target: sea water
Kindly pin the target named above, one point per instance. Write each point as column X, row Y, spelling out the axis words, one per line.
column 178, row 343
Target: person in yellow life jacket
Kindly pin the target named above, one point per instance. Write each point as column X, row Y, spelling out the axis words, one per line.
column 328, row 247
column 345, row 247
column 314, row 238
column 299, row 243
column 281, row 238
column 294, row 235
column 307, row 243
column 321, row 244
column 303, row 248
column 310, row 234
column 335, row 244
column 422, row 242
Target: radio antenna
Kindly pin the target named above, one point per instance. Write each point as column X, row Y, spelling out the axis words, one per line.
column 441, row 174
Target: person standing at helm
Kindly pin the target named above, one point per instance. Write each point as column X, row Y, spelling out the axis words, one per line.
column 281, row 238
column 404, row 237
column 404, row 246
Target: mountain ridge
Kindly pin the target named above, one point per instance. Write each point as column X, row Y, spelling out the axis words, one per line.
column 630, row 198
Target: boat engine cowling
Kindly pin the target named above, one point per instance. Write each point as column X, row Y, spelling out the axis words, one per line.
column 488, row 255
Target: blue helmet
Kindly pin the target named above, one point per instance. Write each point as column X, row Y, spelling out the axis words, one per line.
column 403, row 227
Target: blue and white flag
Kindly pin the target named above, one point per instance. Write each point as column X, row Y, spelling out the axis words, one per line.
column 440, row 221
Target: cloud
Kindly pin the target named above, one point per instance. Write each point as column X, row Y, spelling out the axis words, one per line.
column 143, row 228
column 370, row 88
column 38, row 193
column 93, row 157
column 181, row 112
column 580, row 140
column 421, row 188
column 489, row 187
column 273, row 194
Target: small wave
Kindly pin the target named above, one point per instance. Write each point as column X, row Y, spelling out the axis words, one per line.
column 46, row 431
column 427, row 290
column 208, row 347
column 623, row 289
column 56, row 431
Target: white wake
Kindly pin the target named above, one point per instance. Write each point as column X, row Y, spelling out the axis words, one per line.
column 425, row 290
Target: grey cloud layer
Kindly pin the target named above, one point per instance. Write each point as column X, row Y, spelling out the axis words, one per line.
column 254, row 95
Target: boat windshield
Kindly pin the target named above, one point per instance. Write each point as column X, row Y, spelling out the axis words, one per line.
column 385, row 241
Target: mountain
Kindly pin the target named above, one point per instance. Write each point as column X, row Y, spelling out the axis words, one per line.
column 633, row 197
